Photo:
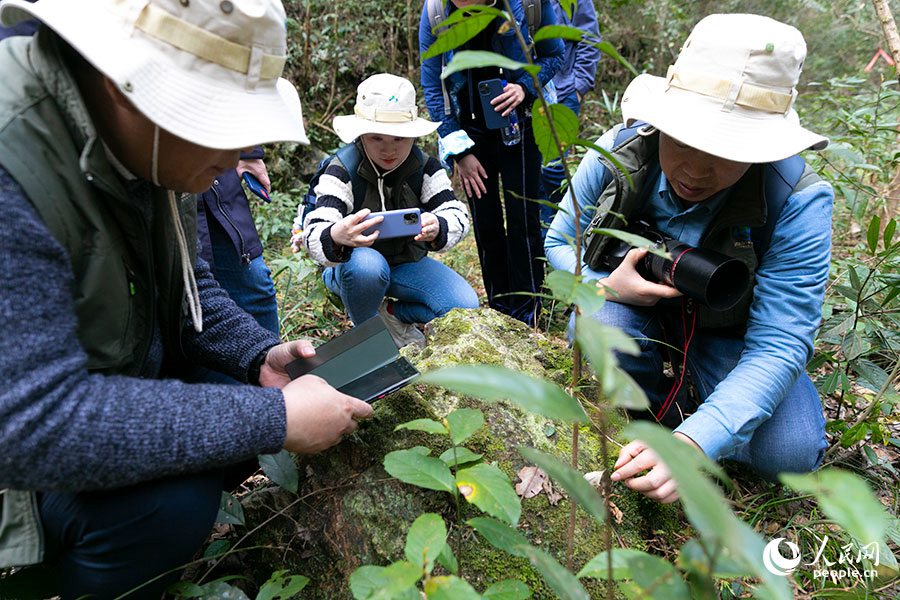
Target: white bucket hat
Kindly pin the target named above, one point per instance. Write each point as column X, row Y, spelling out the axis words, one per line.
column 731, row 92
column 207, row 71
column 385, row 104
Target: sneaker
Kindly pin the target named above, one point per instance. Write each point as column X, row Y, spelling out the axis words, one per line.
column 403, row 334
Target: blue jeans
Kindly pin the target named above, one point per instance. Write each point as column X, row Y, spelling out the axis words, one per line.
column 791, row 440
column 425, row 289
column 553, row 174
column 105, row 543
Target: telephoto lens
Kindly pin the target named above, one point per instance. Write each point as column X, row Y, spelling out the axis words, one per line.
column 709, row 277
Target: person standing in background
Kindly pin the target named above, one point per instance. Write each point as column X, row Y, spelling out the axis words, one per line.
column 573, row 81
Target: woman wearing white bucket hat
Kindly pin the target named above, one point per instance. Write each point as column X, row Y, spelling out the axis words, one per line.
column 380, row 169
column 112, row 470
column 712, row 150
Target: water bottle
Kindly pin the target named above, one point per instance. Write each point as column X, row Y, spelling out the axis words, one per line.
column 512, row 133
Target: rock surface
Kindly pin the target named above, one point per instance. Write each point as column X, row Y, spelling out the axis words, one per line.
column 349, row 512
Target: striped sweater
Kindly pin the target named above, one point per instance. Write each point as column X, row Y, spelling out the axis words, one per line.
column 335, row 200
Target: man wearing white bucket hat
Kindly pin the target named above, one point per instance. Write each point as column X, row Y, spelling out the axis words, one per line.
column 712, row 151
column 112, row 470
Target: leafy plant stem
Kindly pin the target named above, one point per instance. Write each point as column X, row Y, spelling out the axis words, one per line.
column 458, row 517
column 607, row 494
column 873, row 405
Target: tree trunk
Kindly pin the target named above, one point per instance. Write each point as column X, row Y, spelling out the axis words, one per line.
column 889, row 26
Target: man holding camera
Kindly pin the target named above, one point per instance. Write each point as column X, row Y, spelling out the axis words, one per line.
column 712, row 158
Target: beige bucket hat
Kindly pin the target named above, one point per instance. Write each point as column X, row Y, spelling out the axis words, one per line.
column 207, row 71
column 731, row 92
column 385, row 104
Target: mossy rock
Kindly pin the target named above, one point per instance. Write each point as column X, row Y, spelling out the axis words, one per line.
column 352, row 513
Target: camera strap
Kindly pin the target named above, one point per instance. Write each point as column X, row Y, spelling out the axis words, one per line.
column 688, row 336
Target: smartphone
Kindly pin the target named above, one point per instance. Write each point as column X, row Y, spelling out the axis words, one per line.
column 488, row 90
column 404, row 222
column 255, row 186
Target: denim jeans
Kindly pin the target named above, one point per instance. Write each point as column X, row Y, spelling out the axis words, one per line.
column 425, row 289
column 553, row 174
column 791, row 440
column 105, row 543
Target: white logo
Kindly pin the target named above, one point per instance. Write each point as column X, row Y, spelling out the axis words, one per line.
column 778, row 564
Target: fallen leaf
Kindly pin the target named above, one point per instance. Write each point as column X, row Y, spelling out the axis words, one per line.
column 532, row 482
column 553, row 497
column 616, row 513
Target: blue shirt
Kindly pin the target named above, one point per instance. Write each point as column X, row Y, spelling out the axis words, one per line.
column 784, row 315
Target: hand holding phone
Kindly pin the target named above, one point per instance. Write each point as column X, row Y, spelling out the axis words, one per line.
column 404, row 222
column 255, row 186
column 488, row 90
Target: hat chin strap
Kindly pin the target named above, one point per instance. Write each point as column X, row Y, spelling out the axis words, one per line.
column 191, row 291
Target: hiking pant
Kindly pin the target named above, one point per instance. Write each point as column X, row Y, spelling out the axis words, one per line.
column 508, row 233
column 791, row 440
column 425, row 289
column 105, row 543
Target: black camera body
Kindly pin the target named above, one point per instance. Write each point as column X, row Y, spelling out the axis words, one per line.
column 709, row 277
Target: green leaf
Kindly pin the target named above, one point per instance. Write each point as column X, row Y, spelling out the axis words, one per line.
column 597, row 566
column 282, row 586
column 855, row 434
column 872, row 234
column 426, row 539
column 855, row 282
column 569, row 7
column 564, row 121
column 692, row 558
column 647, row 571
column 557, row 577
column 185, row 589
column 216, row 549
column 508, row 589
column 461, row 456
column 448, row 560
column 889, row 230
column 846, row 499
column 450, row 588
column 488, row 488
column 707, row 509
column 426, row 425
column 492, row 383
column 463, row 422
column 569, row 289
column 230, row 510
column 410, row 466
column 475, row 59
column 281, row 469
column 461, row 26
column 383, row 583
column 852, row 345
column 499, row 535
column 599, row 342
column 573, row 482
column 565, row 32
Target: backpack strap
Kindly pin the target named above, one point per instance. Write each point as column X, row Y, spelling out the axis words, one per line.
column 350, row 157
column 533, row 15
column 782, row 179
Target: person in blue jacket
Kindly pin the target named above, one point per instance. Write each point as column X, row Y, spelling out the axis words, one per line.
column 573, row 81
column 508, row 234
column 715, row 166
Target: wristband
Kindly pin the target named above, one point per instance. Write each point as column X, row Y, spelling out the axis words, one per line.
column 256, row 365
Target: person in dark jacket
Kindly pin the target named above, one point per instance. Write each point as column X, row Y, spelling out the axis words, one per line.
column 508, row 233
column 112, row 470
column 573, row 81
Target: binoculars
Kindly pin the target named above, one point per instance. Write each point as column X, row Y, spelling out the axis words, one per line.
column 709, row 277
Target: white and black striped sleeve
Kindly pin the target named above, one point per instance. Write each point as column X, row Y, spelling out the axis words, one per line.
column 334, row 201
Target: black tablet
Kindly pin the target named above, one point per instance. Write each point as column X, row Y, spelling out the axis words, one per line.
column 362, row 362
